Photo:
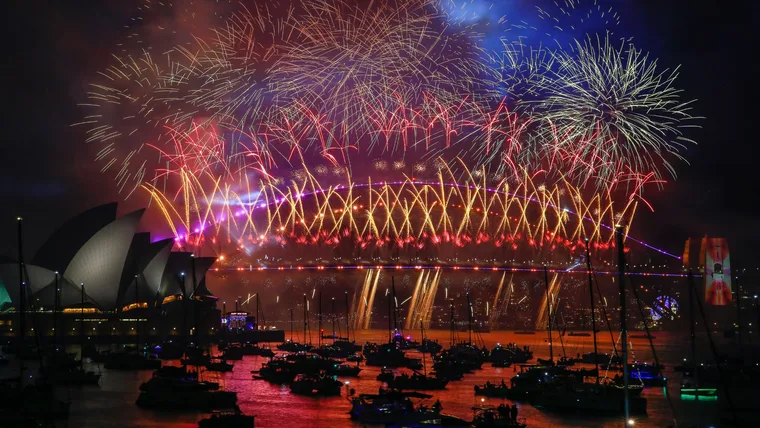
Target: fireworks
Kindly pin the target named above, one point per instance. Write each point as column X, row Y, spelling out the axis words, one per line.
column 613, row 111
column 395, row 122
column 400, row 214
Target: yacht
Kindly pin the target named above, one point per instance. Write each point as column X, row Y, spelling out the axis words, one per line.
column 130, row 361
column 316, row 385
column 219, row 365
column 495, row 417
column 344, row 370
column 417, row 381
column 235, row 419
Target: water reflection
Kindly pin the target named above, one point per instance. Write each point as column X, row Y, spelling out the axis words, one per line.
column 112, row 404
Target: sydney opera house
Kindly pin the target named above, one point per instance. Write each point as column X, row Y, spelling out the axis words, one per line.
column 128, row 281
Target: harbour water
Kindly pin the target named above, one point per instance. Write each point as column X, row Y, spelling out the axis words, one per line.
column 112, row 404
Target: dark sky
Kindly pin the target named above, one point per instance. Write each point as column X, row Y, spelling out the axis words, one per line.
column 47, row 173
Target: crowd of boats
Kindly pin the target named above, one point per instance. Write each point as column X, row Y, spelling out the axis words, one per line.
column 313, row 370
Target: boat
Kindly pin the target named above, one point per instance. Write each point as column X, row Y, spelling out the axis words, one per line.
column 417, row 381
column 385, row 375
column 462, row 356
column 452, row 375
column 277, row 371
column 310, row 363
column 33, row 403
column 691, row 391
column 219, row 366
column 384, row 408
column 589, row 397
column 344, row 370
column 499, row 391
column 385, row 355
column 323, row 385
column 355, row 358
column 492, row 416
column 63, row 368
column 234, row 419
column 647, row 374
column 233, row 352
column 291, row 346
column 501, row 364
column 404, row 342
column 196, row 360
column 257, row 350
column 429, row 347
column 190, row 399
column 425, row 418
column 73, row 377
column 169, row 350
column 511, row 353
column 576, row 334
column 175, row 372
column 177, row 384
column 36, row 404
column 330, row 351
column 130, row 361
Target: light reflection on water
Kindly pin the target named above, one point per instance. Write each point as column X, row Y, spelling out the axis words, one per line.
column 112, row 404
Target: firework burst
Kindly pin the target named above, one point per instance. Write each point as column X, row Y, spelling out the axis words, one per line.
column 607, row 110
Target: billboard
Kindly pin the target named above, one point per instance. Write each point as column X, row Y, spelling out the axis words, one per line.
column 717, row 272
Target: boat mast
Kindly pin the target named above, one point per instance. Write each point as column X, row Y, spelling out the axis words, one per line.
column 738, row 314
column 451, row 325
column 469, row 318
column 305, row 318
column 291, row 324
column 692, row 333
column 184, row 308
column 348, row 319
column 333, row 318
column 395, row 305
column 593, row 315
column 623, row 326
column 258, row 319
column 22, row 305
column 193, row 300
column 319, row 330
column 137, row 316
column 549, row 310
column 390, row 317
column 56, row 305
column 422, row 341
column 81, row 331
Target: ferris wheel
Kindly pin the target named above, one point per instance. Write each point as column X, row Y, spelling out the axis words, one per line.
column 664, row 308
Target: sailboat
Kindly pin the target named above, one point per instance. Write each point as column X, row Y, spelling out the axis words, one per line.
column 565, row 392
column 692, row 388
column 294, row 346
column 61, row 375
column 389, row 354
column 177, row 389
column 341, row 347
column 463, row 356
column 418, row 381
column 34, row 404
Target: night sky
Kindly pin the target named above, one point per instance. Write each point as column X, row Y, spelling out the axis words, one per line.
column 52, row 48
